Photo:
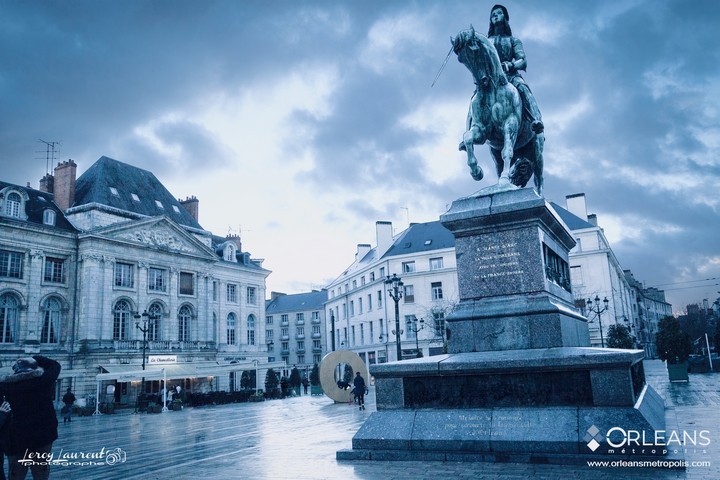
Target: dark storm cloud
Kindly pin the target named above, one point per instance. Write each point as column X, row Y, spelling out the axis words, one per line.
column 627, row 89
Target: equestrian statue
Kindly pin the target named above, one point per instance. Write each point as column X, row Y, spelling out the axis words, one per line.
column 503, row 111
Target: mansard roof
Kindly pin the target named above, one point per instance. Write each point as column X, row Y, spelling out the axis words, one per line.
column 421, row 237
column 571, row 220
column 296, row 302
column 35, row 203
column 125, row 187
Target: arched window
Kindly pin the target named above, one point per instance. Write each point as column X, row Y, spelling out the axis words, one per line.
column 48, row 217
column 121, row 320
column 51, row 321
column 251, row 330
column 230, row 252
column 12, row 204
column 156, row 314
column 231, row 324
column 8, row 317
column 184, row 317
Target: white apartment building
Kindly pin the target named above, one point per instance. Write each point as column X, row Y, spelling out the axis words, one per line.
column 360, row 313
column 295, row 329
column 595, row 272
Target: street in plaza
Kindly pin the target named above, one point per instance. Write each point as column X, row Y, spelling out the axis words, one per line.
column 297, row 438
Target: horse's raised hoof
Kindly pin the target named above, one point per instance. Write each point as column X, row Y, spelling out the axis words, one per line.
column 477, row 173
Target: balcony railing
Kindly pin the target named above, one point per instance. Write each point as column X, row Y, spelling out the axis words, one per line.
column 300, row 322
column 316, row 321
column 317, row 335
column 161, row 345
column 300, row 336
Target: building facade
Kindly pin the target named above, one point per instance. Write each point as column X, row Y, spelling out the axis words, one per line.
column 596, row 273
column 295, row 329
column 360, row 311
column 110, row 274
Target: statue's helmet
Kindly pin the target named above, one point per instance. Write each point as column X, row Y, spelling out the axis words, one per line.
column 504, row 10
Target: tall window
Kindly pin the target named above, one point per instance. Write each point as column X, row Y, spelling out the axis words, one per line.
column 8, row 317
column 156, row 314
column 379, row 298
column 48, row 217
column 54, row 270
column 268, row 320
column 436, row 263
column 11, row 264
column 157, row 279
column 251, row 330
column 12, row 204
column 231, row 328
column 232, row 293
column 51, row 321
column 123, row 275
column 121, row 320
column 409, row 294
column 187, row 283
column 251, row 299
column 436, row 290
column 410, row 326
column 184, row 316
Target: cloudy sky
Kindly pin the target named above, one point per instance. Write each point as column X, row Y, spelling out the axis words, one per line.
column 302, row 123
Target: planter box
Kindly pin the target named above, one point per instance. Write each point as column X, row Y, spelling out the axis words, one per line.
column 678, row 372
column 316, row 390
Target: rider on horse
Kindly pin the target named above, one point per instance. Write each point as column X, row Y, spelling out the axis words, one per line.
column 511, row 53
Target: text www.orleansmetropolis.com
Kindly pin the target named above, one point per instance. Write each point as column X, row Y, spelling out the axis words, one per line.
column 647, row 464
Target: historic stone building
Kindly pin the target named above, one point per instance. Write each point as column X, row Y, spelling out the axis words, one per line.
column 109, row 274
column 361, row 313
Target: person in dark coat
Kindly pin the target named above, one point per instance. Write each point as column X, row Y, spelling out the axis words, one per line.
column 68, row 399
column 359, row 390
column 34, row 425
column 5, row 416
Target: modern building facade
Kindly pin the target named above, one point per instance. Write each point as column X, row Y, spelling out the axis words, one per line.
column 111, row 274
column 295, row 329
column 360, row 311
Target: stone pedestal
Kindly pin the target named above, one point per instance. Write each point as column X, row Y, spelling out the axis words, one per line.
column 520, row 381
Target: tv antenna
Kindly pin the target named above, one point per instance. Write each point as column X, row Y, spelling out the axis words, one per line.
column 49, row 154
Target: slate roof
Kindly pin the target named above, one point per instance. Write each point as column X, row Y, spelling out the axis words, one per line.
column 94, row 186
column 36, row 204
column 571, row 220
column 296, row 302
column 421, row 237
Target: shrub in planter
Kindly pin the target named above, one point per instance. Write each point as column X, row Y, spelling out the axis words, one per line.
column 673, row 346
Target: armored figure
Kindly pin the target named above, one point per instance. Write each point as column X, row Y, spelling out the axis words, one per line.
column 512, row 56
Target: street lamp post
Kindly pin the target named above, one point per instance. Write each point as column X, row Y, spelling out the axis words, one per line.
column 412, row 326
column 598, row 311
column 395, row 290
column 144, row 329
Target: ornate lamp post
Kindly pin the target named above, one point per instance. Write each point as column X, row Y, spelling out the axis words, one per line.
column 598, row 311
column 412, row 326
column 144, row 329
column 395, row 290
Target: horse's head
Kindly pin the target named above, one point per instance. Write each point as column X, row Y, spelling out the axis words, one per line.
column 478, row 54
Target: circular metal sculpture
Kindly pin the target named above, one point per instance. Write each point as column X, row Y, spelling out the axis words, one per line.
column 327, row 373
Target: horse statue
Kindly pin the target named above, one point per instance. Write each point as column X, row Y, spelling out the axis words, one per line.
column 495, row 116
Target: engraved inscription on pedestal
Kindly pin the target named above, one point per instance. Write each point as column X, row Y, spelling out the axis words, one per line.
column 499, row 390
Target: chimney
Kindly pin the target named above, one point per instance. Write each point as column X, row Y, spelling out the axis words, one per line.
column 274, row 295
column 64, row 184
column 47, row 183
column 362, row 250
column 192, row 205
column 592, row 219
column 235, row 238
column 383, row 236
column 575, row 204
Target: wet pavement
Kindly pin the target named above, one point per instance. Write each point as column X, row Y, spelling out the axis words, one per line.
column 297, row 438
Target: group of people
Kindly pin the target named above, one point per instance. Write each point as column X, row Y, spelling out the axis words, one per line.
column 358, row 391
column 28, row 423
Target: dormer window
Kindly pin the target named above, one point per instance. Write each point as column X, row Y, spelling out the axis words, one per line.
column 159, row 204
column 48, row 217
column 176, row 209
column 135, row 197
column 229, row 253
column 12, row 204
column 114, row 191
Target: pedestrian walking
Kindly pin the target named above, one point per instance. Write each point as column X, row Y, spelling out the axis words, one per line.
column 33, row 428
column 305, row 384
column 68, row 400
column 359, row 390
